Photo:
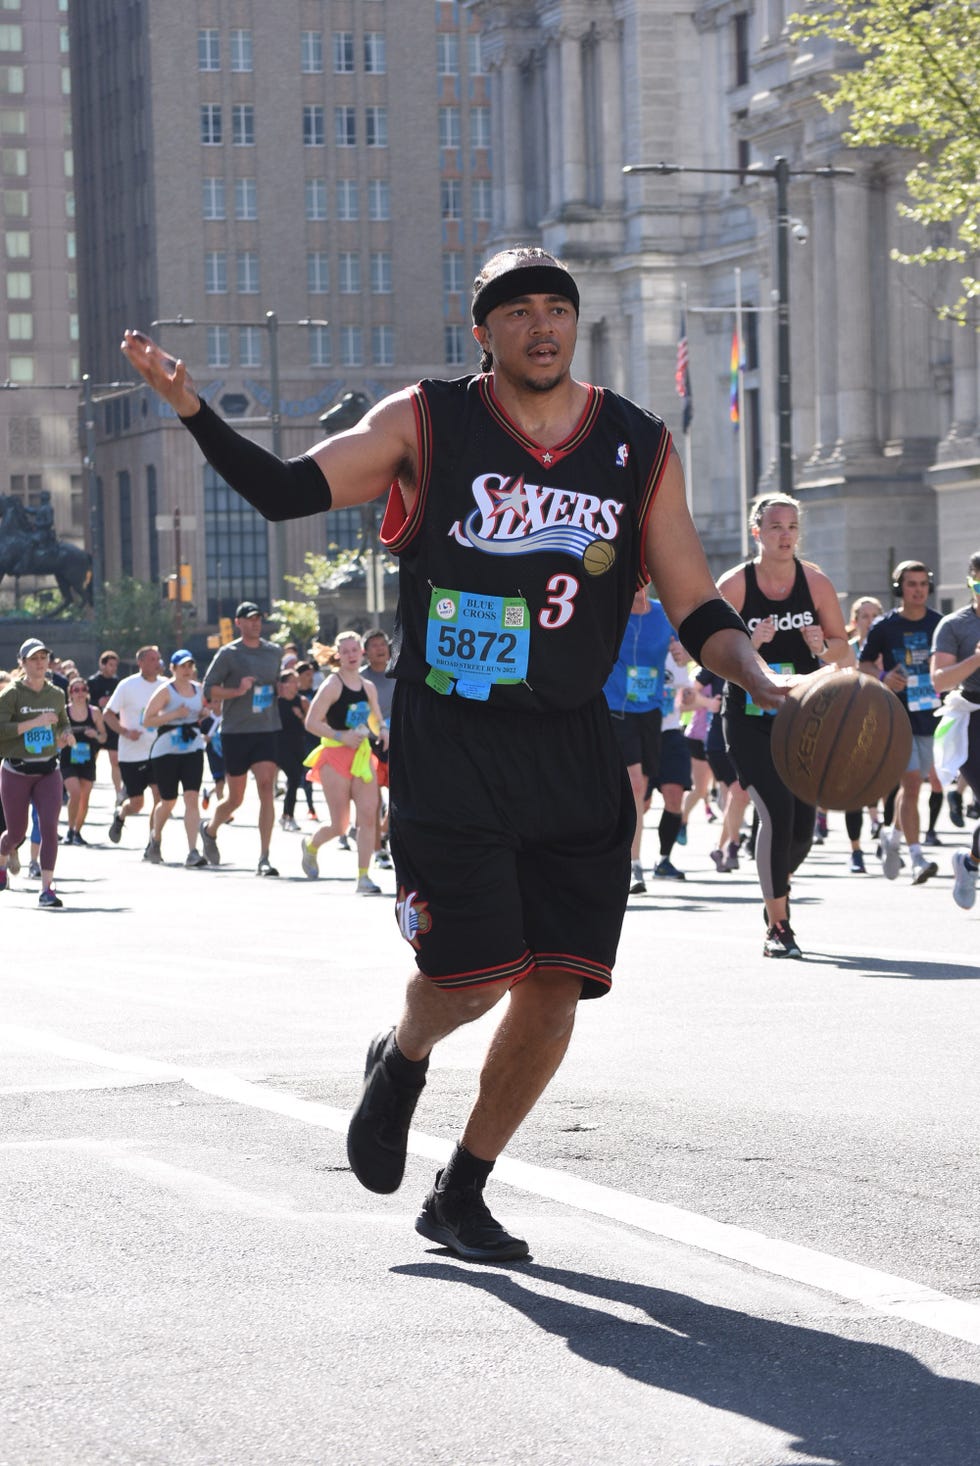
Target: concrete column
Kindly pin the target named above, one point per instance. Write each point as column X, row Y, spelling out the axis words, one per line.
column 572, row 113
column 966, row 382
column 826, row 427
column 508, row 163
column 554, row 176
column 855, row 363
column 610, row 76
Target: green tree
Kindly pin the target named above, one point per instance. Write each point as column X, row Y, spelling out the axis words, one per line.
column 133, row 615
column 299, row 619
column 912, row 83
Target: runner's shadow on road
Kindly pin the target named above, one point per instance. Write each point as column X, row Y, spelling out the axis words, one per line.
column 904, row 969
column 846, row 1401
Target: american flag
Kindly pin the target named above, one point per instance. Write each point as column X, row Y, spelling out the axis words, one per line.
column 682, row 375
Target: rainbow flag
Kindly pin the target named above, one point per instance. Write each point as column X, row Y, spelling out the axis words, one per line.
column 733, row 392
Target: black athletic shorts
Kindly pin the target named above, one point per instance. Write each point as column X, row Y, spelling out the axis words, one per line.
column 176, row 771
column 638, row 736
column 242, row 751
column 675, row 759
column 136, row 777
column 511, row 839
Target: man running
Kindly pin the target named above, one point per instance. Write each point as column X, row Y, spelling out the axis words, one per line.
column 526, row 508
column 123, row 714
column 956, row 664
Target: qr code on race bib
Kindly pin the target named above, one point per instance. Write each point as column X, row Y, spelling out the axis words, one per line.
column 514, row 616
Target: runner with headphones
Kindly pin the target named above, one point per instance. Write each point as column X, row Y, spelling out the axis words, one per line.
column 903, row 640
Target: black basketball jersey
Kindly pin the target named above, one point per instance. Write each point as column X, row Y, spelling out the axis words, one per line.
column 787, row 652
column 518, row 564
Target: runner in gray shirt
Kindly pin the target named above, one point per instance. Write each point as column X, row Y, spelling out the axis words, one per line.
column 241, row 683
column 956, row 664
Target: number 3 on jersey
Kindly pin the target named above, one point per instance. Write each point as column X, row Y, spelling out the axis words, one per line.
column 558, row 608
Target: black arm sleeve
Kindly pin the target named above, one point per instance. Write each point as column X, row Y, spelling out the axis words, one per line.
column 278, row 488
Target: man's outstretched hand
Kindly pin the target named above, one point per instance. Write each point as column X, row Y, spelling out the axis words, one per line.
column 166, row 374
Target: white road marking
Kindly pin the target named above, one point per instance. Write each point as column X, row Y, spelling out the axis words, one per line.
column 877, row 1291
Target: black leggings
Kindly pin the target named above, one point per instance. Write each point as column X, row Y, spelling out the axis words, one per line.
column 785, row 822
column 295, row 771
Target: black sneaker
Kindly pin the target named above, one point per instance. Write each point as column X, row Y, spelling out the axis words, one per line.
column 116, row 828
column 664, row 871
column 377, row 1137
column 461, row 1221
column 955, row 801
column 780, row 941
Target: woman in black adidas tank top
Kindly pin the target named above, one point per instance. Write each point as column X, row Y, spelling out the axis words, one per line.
column 795, row 621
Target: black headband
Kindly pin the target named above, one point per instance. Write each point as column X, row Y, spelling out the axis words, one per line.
column 523, row 280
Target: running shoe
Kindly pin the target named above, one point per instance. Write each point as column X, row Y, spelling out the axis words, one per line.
column 367, row 887
column 309, row 860
column 964, row 880
column 195, row 860
column 709, row 814
column 34, row 870
column 931, row 838
column 857, row 864
column 461, row 1221
column 731, row 857
column 664, row 871
column 343, row 842
column 384, row 861
column 69, row 838
column 377, row 1137
column 637, row 883
column 288, row 823
column 311, row 814
column 205, row 798
column 889, row 846
column 780, row 941
column 49, row 901
column 923, row 870
column 955, row 801
column 153, row 855
column 720, row 861
column 79, row 840
column 210, row 847
column 116, row 828
column 682, row 835
column 973, row 810
column 265, row 867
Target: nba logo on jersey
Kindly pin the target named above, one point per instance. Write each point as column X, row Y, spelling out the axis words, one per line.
column 622, row 455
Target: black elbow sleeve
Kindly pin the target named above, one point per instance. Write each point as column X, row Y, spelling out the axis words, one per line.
column 278, row 488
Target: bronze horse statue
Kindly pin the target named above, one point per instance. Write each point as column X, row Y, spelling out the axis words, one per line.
column 22, row 554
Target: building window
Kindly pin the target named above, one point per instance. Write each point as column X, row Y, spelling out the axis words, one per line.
column 379, row 199
column 381, row 272
column 12, row 79
column 449, row 132
column 451, row 198
column 248, row 272
column 348, row 201
column 250, row 346
column 375, row 55
column 125, row 521
column 246, row 199
column 210, row 124
column 22, row 370
column 454, row 345
column 219, row 346
column 11, row 38
column 316, row 198
column 482, row 198
column 313, row 127
column 480, row 127
column 318, row 272
column 241, row 50
column 447, row 53
column 311, row 51
column 243, row 125
column 236, row 548
column 452, row 272
column 351, row 346
column 345, row 127
column 18, row 285
column 376, row 127
column 17, row 203
column 213, row 198
column 13, row 120
column 350, row 272
column 478, row 66
column 320, row 346
column 215, row 272
column 18, row 244
column 343, row 51
column 208, row 51
column 740, row 36
column 20, row 326
column 383, row 345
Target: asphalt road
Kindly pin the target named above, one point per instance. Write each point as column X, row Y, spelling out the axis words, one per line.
column 751, row 1193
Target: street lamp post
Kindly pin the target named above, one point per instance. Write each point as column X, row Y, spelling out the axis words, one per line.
column 781, row 173
column 271, row 327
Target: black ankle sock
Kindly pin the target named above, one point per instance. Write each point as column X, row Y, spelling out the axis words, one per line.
column 407, row 1071
column 935, row 805
column 668, row 830
column 464, row 1169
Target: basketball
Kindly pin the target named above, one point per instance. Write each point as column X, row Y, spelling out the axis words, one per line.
column 841, row 741
column 598, row 557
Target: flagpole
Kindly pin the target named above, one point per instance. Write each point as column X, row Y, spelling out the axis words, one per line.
column 688, row 453
column 743, row 509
